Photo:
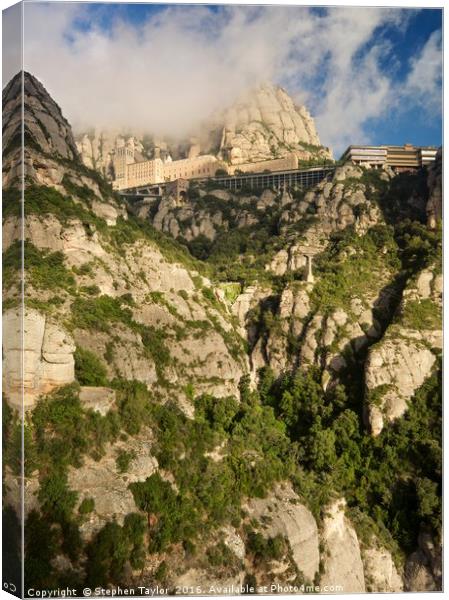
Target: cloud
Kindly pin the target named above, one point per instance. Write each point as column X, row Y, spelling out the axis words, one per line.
column 424, row 81
column 177, row 65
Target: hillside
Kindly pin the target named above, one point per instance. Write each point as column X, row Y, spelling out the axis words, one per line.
column 200, row 413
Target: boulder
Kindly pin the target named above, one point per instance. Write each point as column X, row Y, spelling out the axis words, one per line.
column 97, row 398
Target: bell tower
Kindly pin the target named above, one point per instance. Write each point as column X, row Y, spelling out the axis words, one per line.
column 123, row 157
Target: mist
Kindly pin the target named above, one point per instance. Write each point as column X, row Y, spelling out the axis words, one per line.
column 169, row 71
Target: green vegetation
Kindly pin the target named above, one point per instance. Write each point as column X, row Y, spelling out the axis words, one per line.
column 352, row 265
column 231, row 449
column 101, row 313
column 79, row 191
column 133, row 229
column 111, row 549
column 89, row 370
column 87, row 506
column 221, row 557
column 297, row 431
column 124, row 460
column 42, row 200
column 209, row 493
column 393, row 479
column 266, row 549
column 231, row 291
column 421, row 314
column 43, row 270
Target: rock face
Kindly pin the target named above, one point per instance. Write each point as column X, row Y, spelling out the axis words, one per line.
column 96, row 150
column 97, row 398
column 310, row 292
column 343, row 564
column 423, row 569
column 265, row 124
column 284, row 515
column 50, row 155
column 48, row 357
column 398, row 365
column 44, row 122
column 337, row 203
column 109, row 488
column 394, row 370
column 381, row 574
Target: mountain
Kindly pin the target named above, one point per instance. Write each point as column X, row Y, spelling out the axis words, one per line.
column 44, row 125
column 201, row 414
column 263, row 124
column 266, row 124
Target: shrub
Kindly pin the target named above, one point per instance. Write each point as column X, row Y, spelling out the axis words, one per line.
column 87, row 506
column 220, row 555
column 44, row 270
column 107, row 555
column 89, row 370
column 421, row 314
column 124, row 459
column 266, row 549
column 99, row 313
column 55, row 497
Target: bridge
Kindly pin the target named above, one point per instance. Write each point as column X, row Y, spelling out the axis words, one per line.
column 291, row 179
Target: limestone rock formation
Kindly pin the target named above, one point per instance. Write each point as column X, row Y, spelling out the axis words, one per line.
column 44, row 123
column 284, row 515
column 100, row 399
column 167, row 297
column 337, row 203
column 343, row 564
column 48, row 356
column 381, row 574
column 400, row 363
column 102, row 481
column 50, row 156
column 423, row 569
column 167, row 329
column 265, row 123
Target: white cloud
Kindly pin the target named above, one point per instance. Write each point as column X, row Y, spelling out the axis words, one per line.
column 423, row 84
column 166, row 74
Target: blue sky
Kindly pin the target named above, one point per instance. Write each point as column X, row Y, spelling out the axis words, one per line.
column 367, row 75
column 413, row 125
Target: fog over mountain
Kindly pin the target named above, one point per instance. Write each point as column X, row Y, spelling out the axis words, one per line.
column 170, row 70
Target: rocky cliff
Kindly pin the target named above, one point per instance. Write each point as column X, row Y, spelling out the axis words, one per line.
column 226, row 388
column 266, row 123
column 44, row 124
